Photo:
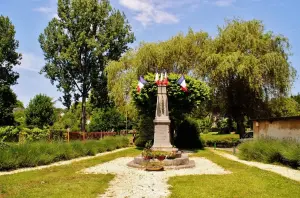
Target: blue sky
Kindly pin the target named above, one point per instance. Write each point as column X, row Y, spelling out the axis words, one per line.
column 152, row 20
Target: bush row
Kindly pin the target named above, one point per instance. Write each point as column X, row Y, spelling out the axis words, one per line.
column 12, row 133
column 33, row 154
column 221, row 140
column 9, row 134
column 269, row 150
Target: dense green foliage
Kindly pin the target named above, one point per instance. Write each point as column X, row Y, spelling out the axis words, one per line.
column 187, row 135
column 284, row 107
column 40, row 111
column 35, row 134
column 269, row 150
column 220, row 140
column 180, row 103
column 181, row 54
column 9, row 134
column 8, row 55
column 78, row 44
column 40, row 153
column 20, row 117
column 8, row 101
column 106, row 120
column 297, row 98
column 245, row 66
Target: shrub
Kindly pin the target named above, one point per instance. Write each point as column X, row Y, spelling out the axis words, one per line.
column 220, row 140
column 106, row 120
column 33, row 154
column 269, row 150
column 145, row 131
column 180, row 103
column 187, row 135
column 204, row 125
column 9, row 134
column 34, row 134
column 40, row 111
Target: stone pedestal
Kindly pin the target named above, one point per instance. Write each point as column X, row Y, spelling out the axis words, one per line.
column 162, row 122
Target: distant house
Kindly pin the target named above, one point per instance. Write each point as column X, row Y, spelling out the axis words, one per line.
column 281, row 128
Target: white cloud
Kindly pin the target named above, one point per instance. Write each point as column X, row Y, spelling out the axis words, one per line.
column 50, row 9
column 31, row 62
column 224, row 3
column 156, row 11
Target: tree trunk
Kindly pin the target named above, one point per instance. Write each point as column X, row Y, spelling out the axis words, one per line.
column 83, row 113
column 240, row 128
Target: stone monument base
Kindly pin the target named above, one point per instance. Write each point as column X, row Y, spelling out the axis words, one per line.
column 180, row 162
column 168, row 149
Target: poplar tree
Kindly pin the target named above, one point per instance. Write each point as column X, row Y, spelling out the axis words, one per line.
column 78, row 44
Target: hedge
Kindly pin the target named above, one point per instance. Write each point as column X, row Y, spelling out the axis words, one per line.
column 267, row 150
column 220, row 140
column 32, row 154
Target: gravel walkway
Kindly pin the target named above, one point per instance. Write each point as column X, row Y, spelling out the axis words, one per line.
column 281, row 170
column 136, row 183
column 59, row 163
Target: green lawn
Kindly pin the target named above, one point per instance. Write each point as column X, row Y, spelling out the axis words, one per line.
column 245, row 181
column 62, row 181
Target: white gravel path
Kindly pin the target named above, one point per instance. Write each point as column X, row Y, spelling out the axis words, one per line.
column 281, row 170
column 59, row 163
column 136, row 183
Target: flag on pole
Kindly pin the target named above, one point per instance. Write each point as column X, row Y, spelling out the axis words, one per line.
column 182, row 83
column 141, row 83
column 157, row 78
column 166, row 82
column 161, row 79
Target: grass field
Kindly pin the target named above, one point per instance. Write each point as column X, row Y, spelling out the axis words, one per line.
column 63, row 181
column 245, row 181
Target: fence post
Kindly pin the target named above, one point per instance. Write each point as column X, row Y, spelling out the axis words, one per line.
column 68, row 134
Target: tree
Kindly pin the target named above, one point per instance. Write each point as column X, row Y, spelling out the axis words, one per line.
column 19, row 104
column 8, row 100
column 297, row 98
column 8, row 55
column 180, row 54
column 245, row 66
column 40, row 111
column 284, row 107
column 106, row 120
column 78, row 44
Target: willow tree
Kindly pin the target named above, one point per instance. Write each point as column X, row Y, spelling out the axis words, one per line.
column 180, row 54
column 78, row 44
column 246, row 66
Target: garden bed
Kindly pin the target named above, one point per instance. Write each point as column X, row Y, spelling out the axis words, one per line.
column 286, row 152
column 33, row 154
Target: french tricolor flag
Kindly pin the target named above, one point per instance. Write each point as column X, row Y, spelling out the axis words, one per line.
column 157, row 78
column 141, row 83
column 166, row 82
column 182, row 83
